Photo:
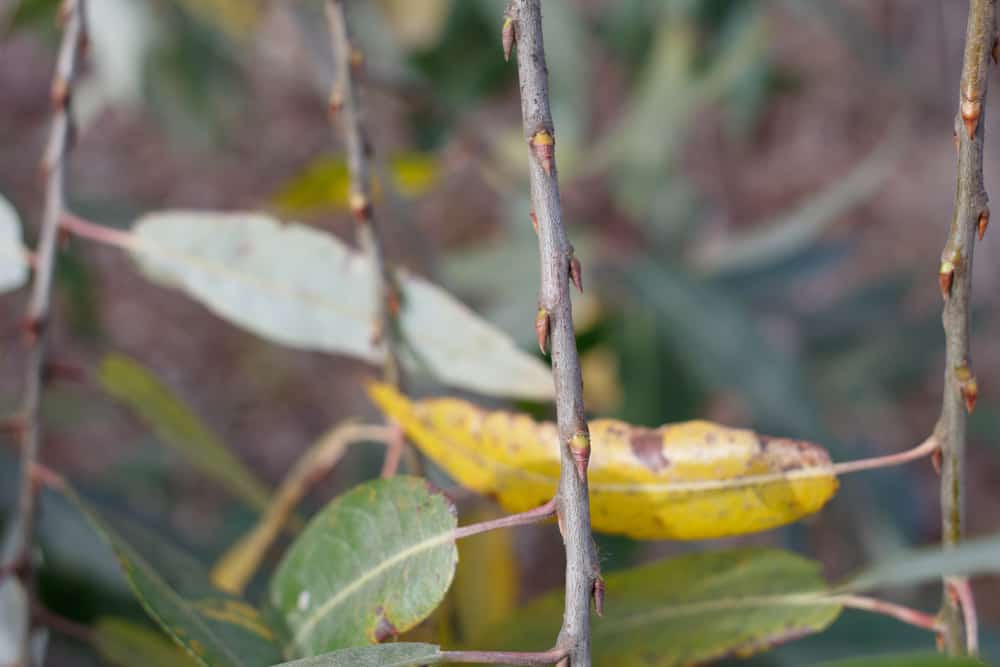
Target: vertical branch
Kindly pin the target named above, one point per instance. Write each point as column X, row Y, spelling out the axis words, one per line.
column 345, row 103
column 554, row 324
column 971, row 215
column 72, row 15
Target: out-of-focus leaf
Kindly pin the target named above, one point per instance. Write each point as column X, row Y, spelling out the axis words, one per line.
column 907, row 660
column 217, row 630
column 793, row 231
column 324, row 183
column 693, row 480
column 178, row 427
column 973, row 556
column 13, row 256
column 15, row 609
column 374, row 563
column 236, row 18
column 301, row 287
column 720, row 345
column 126, row 643
column 416, row 25
column 401, row 654
column 690, row 610
column 487, row 583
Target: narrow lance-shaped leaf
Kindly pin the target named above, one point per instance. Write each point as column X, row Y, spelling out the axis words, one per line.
column 907, row 660
column 300, row 287
column 374, row 563
column 690, row 610
column 125, row 643
column 13, row 257
column 693, row 480
column 178, row 427
column 216, row 630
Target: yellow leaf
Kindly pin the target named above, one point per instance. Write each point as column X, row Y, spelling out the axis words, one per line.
column 687, row 481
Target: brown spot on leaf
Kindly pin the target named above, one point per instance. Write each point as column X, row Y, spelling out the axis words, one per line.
column 384, row 629
column 647, row 445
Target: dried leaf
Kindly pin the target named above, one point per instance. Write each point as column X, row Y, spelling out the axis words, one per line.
column 691, row 480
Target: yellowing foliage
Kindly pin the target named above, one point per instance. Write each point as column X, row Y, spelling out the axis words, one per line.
column 687, row 481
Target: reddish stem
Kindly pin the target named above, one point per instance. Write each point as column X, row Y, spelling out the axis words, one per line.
column 504, row 657
column 540, row 513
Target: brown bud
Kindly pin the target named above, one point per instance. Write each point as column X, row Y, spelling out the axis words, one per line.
column 579, row 446
column 534, row 221
column 542, row 329
column 970, row 110
column 361, row 208
column 392, row 302
column 936, row 460
column 543, row 145
column 59, row 93
column 983, row 222
column 336, row 101
column 575, row 272
column 33, row 328
column 970, row 392
column 508, row 37
column 599, row 596
column 946, row 274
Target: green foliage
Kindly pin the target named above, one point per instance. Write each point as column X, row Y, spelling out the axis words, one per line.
column 125, row 643
column 908, row 660
column 373, row 564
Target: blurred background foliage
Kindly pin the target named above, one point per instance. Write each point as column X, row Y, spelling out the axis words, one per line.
column 758, row 192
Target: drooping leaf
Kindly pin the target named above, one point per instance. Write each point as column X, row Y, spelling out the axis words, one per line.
column 301, row 287
column 692, row 480
column 13, row 257
column 907, row 660
column 126, row 643
column 374, row 563
column 178, row 427
column 690, row 610
column 216, row 629
column 324, row 184
column 402, row 654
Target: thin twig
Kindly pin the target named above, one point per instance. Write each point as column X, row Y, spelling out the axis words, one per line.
column 907, row 615
column 394, row 446
column 504, row 657
column 540, row 513
column 74, row 39
column 971, row 214
column 554, row 323
column 345, row 103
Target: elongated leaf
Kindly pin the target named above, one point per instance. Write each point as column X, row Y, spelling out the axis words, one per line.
column 690, row 610
column 383, row 655
column 693, row 480
column 303, row 288
column 217, row 630
column 13, row 262
column 178, row 427
column 907, row 660
column 374, row 563
column 126, row 643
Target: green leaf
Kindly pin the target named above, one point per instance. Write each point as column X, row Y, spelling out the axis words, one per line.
column 13, row 257
column 127, row 643
column 918, row 565
column 216, row 629
column 300, row 287
column 907, row 660
column 374, row 563
column 402, row 654
column 178, row 427
column 690, row 610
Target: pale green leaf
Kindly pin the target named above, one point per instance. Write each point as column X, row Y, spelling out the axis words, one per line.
column 301, row 287
column 690, row 610
column 374, row 563
column 126, row 643
column 13, row 257
column 402, row 654
column 178, row 427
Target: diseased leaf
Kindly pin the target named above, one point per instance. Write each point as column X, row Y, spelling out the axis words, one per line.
column 907, row 660
column 178, row 427
column 217, row 630
column 303, row 288
column 374, row 563
column 692, row 480
column 13, row 257
column 690, row 610
column 126, row 643
column 402, row 654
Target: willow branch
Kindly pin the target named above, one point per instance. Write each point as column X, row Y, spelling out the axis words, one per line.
column 39, row 305
column 503, row 657
column 345, row 103
column 540, row 513
column 971, row 214
column 554, row 325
